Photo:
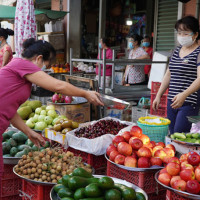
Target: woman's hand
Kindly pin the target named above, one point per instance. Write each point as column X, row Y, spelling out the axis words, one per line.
column 93, row 97
column 178, row 100
column 156, row 103
column 36, row 138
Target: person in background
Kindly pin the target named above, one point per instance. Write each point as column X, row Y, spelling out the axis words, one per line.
column 103, row 44
column 134, row 74
column 5, row 50
column 182, row 77
column 146, row 43
column 15, row 88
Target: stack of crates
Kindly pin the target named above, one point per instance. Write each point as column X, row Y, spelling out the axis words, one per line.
column 162, row 110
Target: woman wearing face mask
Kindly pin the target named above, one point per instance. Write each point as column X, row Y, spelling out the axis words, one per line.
column 103, row 44
column 183, row 77
column 15, row 88
column 134, row 74
column 146, row 46
column 5, row 50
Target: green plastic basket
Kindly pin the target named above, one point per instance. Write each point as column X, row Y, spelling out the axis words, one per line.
column 156, row 133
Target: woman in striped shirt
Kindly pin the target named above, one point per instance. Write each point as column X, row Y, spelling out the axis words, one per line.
column 183, row 77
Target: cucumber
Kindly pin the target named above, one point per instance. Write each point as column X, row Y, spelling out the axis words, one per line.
column 180, row 135
column 172, row 136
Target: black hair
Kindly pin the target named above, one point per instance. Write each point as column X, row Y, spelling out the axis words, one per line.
column 34, row 47
column 137, row 38
column 189, row 23
column 6, row 32
column 147, row 37
column 105, row 41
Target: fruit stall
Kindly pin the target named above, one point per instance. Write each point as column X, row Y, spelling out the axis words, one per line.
column 102, row 159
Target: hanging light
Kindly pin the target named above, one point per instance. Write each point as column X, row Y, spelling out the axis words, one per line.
column 129, row 22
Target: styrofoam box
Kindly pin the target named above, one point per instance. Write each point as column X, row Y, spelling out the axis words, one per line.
column 118, row 78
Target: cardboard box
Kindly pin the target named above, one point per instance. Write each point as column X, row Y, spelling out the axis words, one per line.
column 55, row 136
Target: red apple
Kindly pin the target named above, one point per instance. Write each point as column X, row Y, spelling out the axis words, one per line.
column 144, row 152
column 117, row 139
column 183, row 157
column 134, row 154
column 175, row 159
column 171, row 146
column 149, row 145
column 193, row 187
column 113, row 154
column 119, row 159
column 162, row 144
column 197, row 173
column 164, row 170
column 173, row 169
column 192, row 152
column 135, row 143
column 169, row 152
column 130, row 162
column 160, row 153
column 193, row 159
column 166, row 159
column 124, row 148
column 186, row 165
column 145, row 139
column 126, row 135
column 144, row 162
column 174, row 178
column 109, row 149
column 164, row 178
column 156, row 161
column 153, row 144
column 179, row 185
column 136, row 131
column 155, row 149
column 187, row 174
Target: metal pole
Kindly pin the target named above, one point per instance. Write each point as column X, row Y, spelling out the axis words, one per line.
column 113, row 70
column 71, row 65
column 99, row 69
column 197, row 9
column 100, row 17
column 104, row 71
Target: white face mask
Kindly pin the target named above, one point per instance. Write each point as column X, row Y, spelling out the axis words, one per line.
column 185, row 41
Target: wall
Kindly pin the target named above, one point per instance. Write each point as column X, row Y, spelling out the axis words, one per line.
column 190, row 8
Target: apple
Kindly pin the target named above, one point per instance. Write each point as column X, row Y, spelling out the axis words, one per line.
column 126, row 135
column 117, row 139
column 160, row 153
column 38, row 110
column 164, row 170
column 135, row 143
column 145, row 139
column 50, row 107
column 130, row 162
column 162, row 144
column 183, row 157
column 179, row 185
column 144, row 152
column 193, row 159
column 173, row 179
column 192, row 152
column 187, row 174
column 35, row 117
column 52, row 113
column 144, row 162
column 165, row 178
column 186, row 165
column 119, row 159
column 48, row 120
column 110, row 148
column 155, row 149
column 148, row 145
column 41, row 118
column 136, row 131
column 171, row 146
column 173, row 169
column 175, row 159
column 193, row 187
column 134, row 154
column 43, row 112
column 43, row 107
column 169, row 152
column 166, row 159
column 40, row 126
column 30, row 123
column 153, row 143
column 124, row 148
column 156, row 161
column 113, row 154
column 197, row 173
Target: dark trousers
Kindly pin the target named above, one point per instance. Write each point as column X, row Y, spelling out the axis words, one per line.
column 178, row 117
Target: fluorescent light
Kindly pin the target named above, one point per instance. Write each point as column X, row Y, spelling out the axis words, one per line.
column 129, row 22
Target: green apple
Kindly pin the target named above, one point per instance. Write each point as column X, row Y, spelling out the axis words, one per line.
column 50, row 107
column 43, row 112
column 30, row 123
column 40, row 126
column 38, row 110
column 41, row 118
column 43, row 107
column 52, row 113
column 35, row 117
column 48, row 120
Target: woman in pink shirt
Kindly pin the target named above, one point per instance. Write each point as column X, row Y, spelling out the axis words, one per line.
column 103, row 44
column 5, row 50
column 15, row 88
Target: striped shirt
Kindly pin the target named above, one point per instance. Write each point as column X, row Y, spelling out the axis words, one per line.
column 183, row 74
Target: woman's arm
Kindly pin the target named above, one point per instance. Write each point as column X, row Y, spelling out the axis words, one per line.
column 144, row 57
column 6, row 56
column 179, row 99
column 36, row 138
column 49, row 83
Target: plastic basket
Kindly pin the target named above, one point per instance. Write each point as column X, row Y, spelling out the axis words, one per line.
column 161, row 112
column 163, row 100
column 138, row 112
column 16, row 197
column 155, row 87
column 35, row 192
column 157, row 196
column 144, row 180
column 97, row 162
column 174, row 196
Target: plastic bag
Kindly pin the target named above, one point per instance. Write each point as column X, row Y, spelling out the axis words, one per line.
column 195, row 128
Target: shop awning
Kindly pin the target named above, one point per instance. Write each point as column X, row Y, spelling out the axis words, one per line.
column 8, row 13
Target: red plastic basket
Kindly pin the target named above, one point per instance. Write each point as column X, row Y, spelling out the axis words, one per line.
column 157, row 196
column 144, row 180
column 163, row 100
column 8, row 172
column 36, row 192
column 98, row 162
column 174, row 196
column 162, row 112
column 155, row 87
column 17, row 197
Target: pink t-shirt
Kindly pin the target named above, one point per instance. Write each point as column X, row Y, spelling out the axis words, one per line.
column 108, row 67
column 14, row 90
column 2, row 51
